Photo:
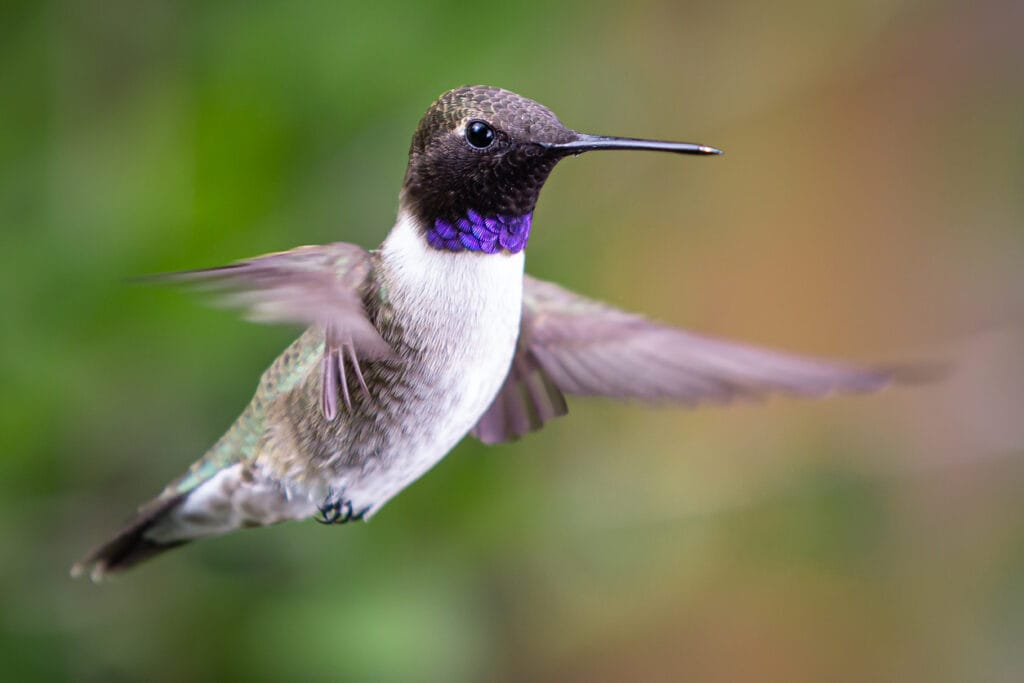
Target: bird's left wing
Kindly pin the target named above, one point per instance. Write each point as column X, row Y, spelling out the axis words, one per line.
column 574, row 345
column 314, row 285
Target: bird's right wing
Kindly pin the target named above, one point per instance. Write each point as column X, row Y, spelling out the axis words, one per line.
column 570, row 344
column 314, row 285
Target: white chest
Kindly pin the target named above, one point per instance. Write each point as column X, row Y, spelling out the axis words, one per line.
column 462, row 312
column 464, row 309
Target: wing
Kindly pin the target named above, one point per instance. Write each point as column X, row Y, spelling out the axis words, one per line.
column 315, row 285
column 573, row 345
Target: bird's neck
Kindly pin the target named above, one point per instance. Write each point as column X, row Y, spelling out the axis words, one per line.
column 485, row 234
column 414, row 243
column 472, row 231
column 434, row 290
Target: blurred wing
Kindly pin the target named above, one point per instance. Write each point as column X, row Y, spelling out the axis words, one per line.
column 315, row 285
column 576, row 345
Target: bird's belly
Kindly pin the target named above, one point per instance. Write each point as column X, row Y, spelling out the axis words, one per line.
column 455, row 322
column 452, row 390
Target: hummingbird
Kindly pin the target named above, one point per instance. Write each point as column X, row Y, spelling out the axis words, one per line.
column 435, row 335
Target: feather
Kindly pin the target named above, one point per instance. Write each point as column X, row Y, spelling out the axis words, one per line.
column 313, row 285
column 574, row 345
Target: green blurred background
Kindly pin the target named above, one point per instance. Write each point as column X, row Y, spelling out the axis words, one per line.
column 869, row 206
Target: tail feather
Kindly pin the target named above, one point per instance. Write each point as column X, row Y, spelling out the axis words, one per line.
column 231, row 498
column 130, row 546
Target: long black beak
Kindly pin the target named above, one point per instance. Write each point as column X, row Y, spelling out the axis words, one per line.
column 587, row 143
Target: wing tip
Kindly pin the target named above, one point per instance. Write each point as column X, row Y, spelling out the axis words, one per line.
column 925, row 372
column 881, row 377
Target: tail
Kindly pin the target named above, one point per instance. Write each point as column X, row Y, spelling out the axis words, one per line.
column 131, row 546
column 227, row 499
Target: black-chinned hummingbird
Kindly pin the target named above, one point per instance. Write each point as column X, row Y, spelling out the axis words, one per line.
column 435, row 335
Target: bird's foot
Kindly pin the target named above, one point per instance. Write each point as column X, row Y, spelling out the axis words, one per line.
column 339, row 512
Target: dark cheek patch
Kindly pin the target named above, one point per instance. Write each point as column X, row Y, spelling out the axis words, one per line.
column 486, row 234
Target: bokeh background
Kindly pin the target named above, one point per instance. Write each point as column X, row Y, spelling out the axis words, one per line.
column 869, row 206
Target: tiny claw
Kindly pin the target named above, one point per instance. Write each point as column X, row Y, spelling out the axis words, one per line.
column 339, row 512
column 323, row 518
column 329, row 514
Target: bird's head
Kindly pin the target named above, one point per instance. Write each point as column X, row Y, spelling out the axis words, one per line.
column 478, row 160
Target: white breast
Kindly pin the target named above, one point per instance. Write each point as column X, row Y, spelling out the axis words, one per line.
column 463, row 309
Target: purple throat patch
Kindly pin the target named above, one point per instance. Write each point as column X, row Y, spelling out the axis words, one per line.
column 489, row 235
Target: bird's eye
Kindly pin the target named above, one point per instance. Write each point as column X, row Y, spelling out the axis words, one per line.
column 479, row 134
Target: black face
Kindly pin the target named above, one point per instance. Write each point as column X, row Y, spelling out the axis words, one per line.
column 489, row 150
column 483, row 149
